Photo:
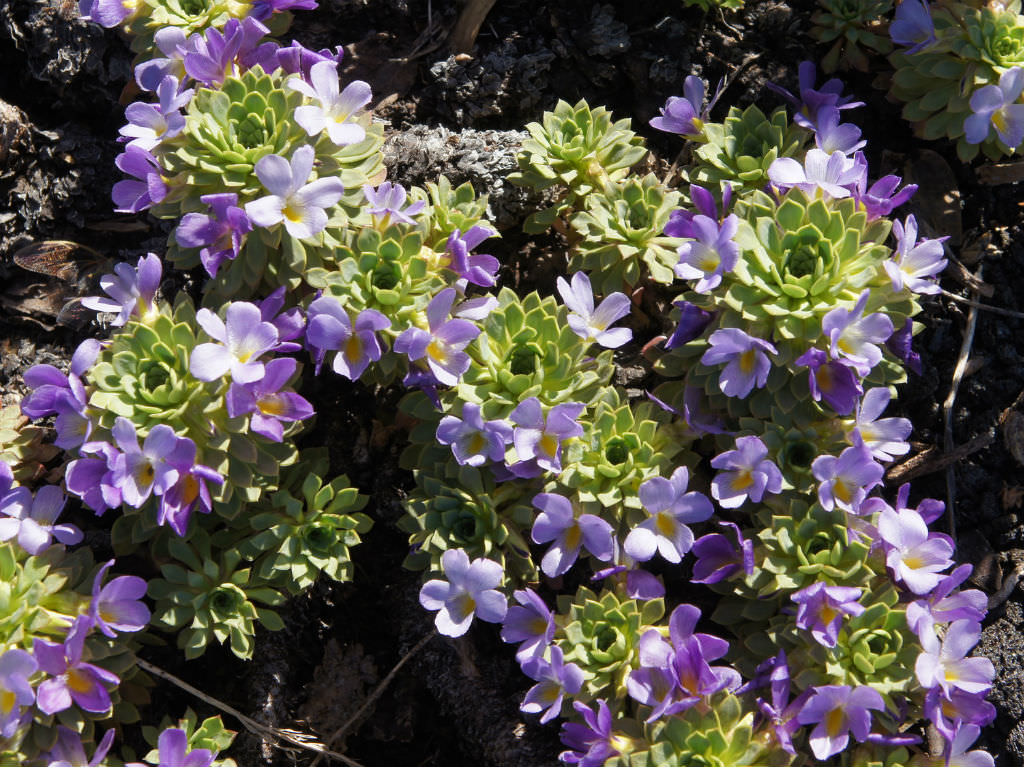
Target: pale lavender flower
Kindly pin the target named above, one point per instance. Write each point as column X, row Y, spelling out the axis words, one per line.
column 886, row 438
column 68, row 750
column 443, row 344
column 170, row 41
column 831, row 380
column 832, row 136
column 16, row 693
column 336, row 110
column 747, row 365
column 823, row 608
column 300, row 206
column 331, row 328
column 151, row 469
column 32, row 519
column 692, row 322
column 106, row 13
column 670, row 508
column 148, row 187
column 915, row 263
column 913, row 555
column 470, row 590
column 948, row 667
column 592, row 743
column 92, row 480
column 132, row 291
column 297, row 59
column 846, row 480
column 960, row 707
column 913, row 26
column 118, row 606
column 710, row 253
column 72, row 680
column 557, row 522
column 474, row 441
column 719, row 559
column 942, row 605
column 531, row 624
column 554, row 679
column 219, row 234
column 996, row 106
column 835, row 711
column 65, row 396
column 684, row 115
column 831, row 174
column 476, row 268
column 882, row 197
column 386, row 203
column 211, row 56
column 269, row 406
column 854, row 336
column 172, row 750
column 243, row 338
column 540, row 438
column 150, row 124
column 956, row 752
column 589, row 324
column 751, row 474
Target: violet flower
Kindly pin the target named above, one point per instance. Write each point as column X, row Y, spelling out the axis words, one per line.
column 554, row 679
column 290, row 323
column 710, row 253
column 386, row 203
column 670, row 508
column 357, row 343
column 65, row 396
column 719, row 559
column 92, row 480
column 148, row 187
column 172, row 750
column 996, row 105
column 531, row 624
column 692, row 322
column 589, row 324
column 186, row 494
column 211, row 55
column 680, row 221
column 846, row 480
column 32, row 520
column 538, row 437
column 811, row 100
column 835, row 711
column 592, row 743
column 557, row 522
column 171, row 42
column 264, row 9
column 886, row 438
column 106, row 13
column 72, row 680
column 832, row 136
column 913, row 26
column 751, row 474
column 942, row 605
column 854, row 336
column 470, row 590
column 132, row 291
column 946, row 666
column 823, row 607
column 150, row 124
column 476, row 268
column 220, row 234
column 747, row 365
column 16, row 693
column 913, row 555
column 243, row 337
column 881, row 198
column 956, row 752
column 68, row 749
column 901, row 344
column 269, row 406
column 297, row 59
column 336, row 110
column 139, row 472
column 915, row 263
column 833, row 381
column 960, row 707
column 474, row 441
column 684, row 115
column 300, row 206
column 782, row 712
column 118, row 606
column 831, row 174
column 443, row 344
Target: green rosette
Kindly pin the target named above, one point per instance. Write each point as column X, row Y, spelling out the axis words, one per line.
column 851, row 26
column 190, row 16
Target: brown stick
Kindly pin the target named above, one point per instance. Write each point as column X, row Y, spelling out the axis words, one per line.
column 468, row 25
column 933, row 460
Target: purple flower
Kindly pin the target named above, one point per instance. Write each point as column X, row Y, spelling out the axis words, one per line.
column 854, row 336
column 947, row 666
column 72, row 680
column 540, row 438
column 473, row 440
column 912, row 555
column 913, row 26
column 589, row 324
column 16, row 693
column 264, row 9
column 685, row 115
column 996, row 105
column 296, row 59
column 331, row 328
column 470, row 590
column 846, row 480
column 68, row 750
column 949, row 713
column 812, row 100
column 831, row 174
column 782, row 712
column 942, row 605
column 718, row 559
column 836, row 710
column 692, row 322
column 916, row 263
column 243, row 338
column 150, row 124
column 172, row 750
column 747, row 365
column 300, row 206
column 290, row 323
column 32, row 520
column 476, row 268
column 131, row 291
column 92, row 480
column 65, row 396
column 170, row 41
column 106, row 13
column 186, row 494
column 592, row 743
column 557, row 522
column 886, row 438
column 265, row 401
column 956, row 752
column 901, row 344
column 554, row 679
column 139, row 472
column 670, row 508
column 881, row 198
column 386, row 203
column 822, row 609
column 832, row 136
column 680, row 222
column 210, row 56
column 118, row 606
column 531, row 624
column 750, row 474
column 444, row 343
column 220, row 235
column 337, row 110
column 132, row 196
column 831, row 380
column 710, row 253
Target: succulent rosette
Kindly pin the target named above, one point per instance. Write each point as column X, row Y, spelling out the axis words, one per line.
column 850, row 28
